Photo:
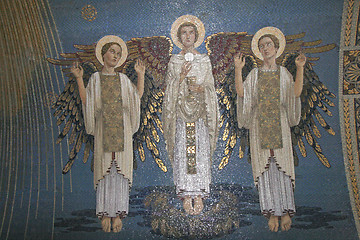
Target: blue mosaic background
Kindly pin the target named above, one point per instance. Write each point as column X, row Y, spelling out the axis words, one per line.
column 321, row 194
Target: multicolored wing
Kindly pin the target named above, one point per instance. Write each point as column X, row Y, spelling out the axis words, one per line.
column 68, row 105
column 221, row 49
column 315, row 96
column 155, row 52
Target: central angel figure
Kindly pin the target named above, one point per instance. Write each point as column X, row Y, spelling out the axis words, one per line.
column 190, row 114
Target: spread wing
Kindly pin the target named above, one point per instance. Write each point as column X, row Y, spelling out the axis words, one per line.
column 155, row 52
column 221, row 48
column 315, row 97
column 68, row 105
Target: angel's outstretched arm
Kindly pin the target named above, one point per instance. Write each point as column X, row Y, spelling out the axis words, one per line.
column 78, row 73
column 140, row 70
column 299, row 79
column 239, row 61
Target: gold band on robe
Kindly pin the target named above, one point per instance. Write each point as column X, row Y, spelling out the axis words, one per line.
column 112, row 106
column 190, row 148
column 269, row 109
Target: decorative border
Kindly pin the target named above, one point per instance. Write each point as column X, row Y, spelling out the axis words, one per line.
column 357, row 124
column 351, row 72
column 347, row 107
column 350, row 165
column 350, row 5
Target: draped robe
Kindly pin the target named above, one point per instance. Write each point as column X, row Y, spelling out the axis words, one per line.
column 290, row 113
column 181, row 108
column 93, row 118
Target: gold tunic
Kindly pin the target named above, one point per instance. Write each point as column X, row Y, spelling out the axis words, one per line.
column 113, row 132
column 269, row 109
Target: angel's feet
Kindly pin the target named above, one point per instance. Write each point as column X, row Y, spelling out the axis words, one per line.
column 106, row 224
column 285, row 222
column 187, row 204
column 198, row 205
column 116, row 224
column 273, row 223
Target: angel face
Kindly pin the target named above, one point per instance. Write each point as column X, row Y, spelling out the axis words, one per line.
column 112, row 55
column 187, row 36
column 267, row 48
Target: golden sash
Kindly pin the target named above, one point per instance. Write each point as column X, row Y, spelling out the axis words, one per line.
column 269, row 109
column 113, row 125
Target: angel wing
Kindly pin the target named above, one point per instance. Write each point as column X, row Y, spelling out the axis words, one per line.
column 155, row 52
column 314, row 96
column 222, row 47
column 68, row 105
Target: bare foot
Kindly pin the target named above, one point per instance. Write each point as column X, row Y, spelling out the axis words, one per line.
column 198, row 205
column 187, row 204
column 116, row 224
column 285, row 222
column 273, row 223
column 106, row 224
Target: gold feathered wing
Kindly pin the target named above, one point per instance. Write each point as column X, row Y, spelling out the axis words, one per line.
column 155, row 52
column 221, row 49
column 68, row 105
column 223, row 46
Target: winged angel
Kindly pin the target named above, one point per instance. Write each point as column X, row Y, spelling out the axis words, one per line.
column 180, row 87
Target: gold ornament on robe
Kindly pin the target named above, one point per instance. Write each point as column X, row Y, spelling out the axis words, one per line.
column 191, row 148
column 269, row 109
column 113, row 132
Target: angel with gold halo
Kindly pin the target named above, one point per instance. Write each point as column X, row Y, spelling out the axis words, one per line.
column 111, row 112
column 190, row 114
column 268, row 104
column 156, row 53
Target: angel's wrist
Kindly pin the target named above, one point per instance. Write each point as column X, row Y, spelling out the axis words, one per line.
column 140, row 73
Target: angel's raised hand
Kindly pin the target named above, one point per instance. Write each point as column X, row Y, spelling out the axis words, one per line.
column 239, row 61
column 300, row 60
column 140, row 67
column 77, row 70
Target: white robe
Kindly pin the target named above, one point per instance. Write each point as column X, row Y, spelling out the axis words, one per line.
column 290, row 113
column 93, row 118
column 177, row 111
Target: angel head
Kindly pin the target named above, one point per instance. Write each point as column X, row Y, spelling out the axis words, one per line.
column 187, row 34
column 111, row 54
column 187, row 31
column 111, row 51
column 267, row 43
column 268, row 46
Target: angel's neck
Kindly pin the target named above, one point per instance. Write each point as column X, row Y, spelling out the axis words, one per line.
column 189, row 50
column 269, row 64
column 108, row 70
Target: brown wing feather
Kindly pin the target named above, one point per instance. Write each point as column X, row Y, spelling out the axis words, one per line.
column 314, row 96
column 155, row 52
column 68, row 105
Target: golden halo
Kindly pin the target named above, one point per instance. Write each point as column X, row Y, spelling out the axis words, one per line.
column 268, row 30
column 111, row 38
column 184, row 19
